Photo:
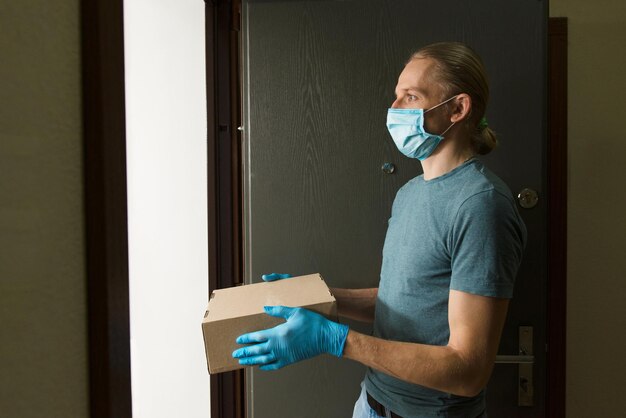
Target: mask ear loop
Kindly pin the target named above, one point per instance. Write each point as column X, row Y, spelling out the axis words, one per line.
column 444, row 132
column 442, row 103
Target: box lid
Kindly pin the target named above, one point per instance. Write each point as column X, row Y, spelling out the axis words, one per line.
column 250, row 299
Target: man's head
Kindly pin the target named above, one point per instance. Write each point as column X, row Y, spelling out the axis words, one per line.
column 436, row 73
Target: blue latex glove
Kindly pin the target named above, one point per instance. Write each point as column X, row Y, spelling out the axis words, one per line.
column 275, row 276
column 306, row 334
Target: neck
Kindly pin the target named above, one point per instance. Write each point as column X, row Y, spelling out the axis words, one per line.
column 450, row 154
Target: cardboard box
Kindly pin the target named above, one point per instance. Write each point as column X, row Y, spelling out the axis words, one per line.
column 238, row 310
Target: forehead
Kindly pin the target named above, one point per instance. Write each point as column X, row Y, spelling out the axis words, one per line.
column 417, row 75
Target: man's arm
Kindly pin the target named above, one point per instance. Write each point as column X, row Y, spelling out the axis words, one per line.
column 462, row 367
column 356, row 304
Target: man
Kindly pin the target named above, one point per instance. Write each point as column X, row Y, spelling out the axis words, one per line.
column 451, row 253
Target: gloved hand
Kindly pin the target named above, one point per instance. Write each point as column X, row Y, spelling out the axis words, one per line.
column 306, row 334
column 275, row 276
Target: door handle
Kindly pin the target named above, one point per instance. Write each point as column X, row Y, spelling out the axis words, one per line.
column 525, row 361
column 515, row 359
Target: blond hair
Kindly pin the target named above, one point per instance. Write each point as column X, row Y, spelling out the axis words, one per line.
column 458, row 69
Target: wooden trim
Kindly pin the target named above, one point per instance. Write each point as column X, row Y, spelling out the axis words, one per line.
column 104, row 146
column 557, row 215
column 224, row 178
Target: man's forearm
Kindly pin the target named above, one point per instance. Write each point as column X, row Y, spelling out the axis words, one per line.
column 438, row 367
column 356, row 304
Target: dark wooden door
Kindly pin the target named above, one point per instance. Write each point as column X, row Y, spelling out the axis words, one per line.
column 318, row 79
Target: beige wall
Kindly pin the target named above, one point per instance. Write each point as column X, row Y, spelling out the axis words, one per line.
column 43, row 357
column 596, row 317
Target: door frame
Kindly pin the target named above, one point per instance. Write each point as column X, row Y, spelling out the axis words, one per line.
column 557, row 217
column 105, row 206
column 104, row 158
column 224, row 182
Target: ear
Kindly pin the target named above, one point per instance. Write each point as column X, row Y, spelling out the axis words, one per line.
column 461, row 108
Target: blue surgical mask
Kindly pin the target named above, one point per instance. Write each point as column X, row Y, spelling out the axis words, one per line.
column 406, row 127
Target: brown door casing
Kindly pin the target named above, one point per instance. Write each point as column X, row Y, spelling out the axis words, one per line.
column 224, row 178
column 104, row 146
column 557, row 215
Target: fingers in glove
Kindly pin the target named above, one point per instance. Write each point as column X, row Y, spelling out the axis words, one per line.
column 252, row 337
column 280, row 311
column 262, row 360
column 275, row 276
column 252, row 350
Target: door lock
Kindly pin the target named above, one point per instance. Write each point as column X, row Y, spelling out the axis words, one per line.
column 388, row 168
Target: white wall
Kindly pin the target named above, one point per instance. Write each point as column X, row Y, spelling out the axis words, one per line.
column 167, row 214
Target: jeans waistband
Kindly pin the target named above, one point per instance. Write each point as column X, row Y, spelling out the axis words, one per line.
column 380, row 408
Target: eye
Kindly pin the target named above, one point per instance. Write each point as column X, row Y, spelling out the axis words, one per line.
column 411, row 98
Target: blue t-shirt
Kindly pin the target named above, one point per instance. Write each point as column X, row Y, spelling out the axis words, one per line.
column 459, row 231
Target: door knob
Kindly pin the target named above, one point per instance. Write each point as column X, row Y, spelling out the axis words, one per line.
column 528, row 198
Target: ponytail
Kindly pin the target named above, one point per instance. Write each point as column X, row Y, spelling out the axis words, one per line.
column 483, row 139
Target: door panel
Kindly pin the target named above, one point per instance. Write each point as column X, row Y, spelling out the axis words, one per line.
column 318, row 79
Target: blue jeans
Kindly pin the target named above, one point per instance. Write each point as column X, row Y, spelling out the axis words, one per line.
column 363, row 410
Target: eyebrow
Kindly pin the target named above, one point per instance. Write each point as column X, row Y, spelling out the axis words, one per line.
column 415, row 89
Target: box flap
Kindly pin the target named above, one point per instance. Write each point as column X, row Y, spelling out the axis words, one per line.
column 249, row 300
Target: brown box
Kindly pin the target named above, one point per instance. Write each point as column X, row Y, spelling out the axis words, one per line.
column 238, row 310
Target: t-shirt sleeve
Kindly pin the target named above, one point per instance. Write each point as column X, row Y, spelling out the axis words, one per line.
column 486, row 241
